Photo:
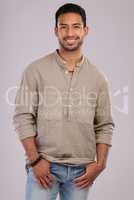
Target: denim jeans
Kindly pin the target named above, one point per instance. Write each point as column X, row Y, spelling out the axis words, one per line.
column 63, row 184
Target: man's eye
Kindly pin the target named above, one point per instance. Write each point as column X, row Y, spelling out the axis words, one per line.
column 63, row 27
column 77, row 27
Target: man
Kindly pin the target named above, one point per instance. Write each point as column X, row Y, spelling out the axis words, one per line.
column 63, row 116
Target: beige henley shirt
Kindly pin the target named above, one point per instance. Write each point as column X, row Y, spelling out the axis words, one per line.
column 67, row 113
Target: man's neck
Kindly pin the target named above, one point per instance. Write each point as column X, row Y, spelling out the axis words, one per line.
column 71, row 57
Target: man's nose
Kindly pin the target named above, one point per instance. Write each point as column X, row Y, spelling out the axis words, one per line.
column 70, row 31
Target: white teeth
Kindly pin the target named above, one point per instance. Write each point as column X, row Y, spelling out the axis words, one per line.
column 71, row 40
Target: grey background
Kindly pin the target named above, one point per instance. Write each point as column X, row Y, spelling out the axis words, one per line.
column 26, row 33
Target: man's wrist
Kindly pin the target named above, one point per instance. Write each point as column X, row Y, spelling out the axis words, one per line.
column 101, row 165
column 32, row 156
column 36, row 161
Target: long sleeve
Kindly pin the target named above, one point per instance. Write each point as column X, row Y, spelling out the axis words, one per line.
column 103, row 121
column 26, row 102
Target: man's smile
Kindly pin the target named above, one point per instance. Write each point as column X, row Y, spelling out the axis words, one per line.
column 71, row 40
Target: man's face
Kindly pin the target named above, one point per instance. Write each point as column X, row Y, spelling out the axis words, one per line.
column 70, row 31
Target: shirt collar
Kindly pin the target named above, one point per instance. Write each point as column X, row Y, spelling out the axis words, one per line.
column 63, row 63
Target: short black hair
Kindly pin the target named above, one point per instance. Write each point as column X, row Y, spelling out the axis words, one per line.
column 73, row 8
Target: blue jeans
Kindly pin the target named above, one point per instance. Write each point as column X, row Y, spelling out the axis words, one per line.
column 63, row 184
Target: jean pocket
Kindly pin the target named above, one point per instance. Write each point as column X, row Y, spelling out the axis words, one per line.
column 79, row 171
column 54, row 167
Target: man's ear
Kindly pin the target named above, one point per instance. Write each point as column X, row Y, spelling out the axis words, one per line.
column 86, row 30
column 56, row 31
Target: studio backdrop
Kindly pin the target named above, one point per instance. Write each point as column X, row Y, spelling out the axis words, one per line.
column 27, row 33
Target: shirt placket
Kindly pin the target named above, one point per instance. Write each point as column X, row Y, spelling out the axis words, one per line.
column 71, row 81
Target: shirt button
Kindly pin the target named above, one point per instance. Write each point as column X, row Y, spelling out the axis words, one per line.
column 66, row 72
column 71, row 89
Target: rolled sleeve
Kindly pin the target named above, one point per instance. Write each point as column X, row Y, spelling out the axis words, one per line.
column 103, row 121
column 26, row 101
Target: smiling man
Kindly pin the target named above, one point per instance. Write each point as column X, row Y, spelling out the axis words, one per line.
column 70, row 31
column 63, row 115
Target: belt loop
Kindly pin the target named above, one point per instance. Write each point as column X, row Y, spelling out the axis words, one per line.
column 27, row 168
